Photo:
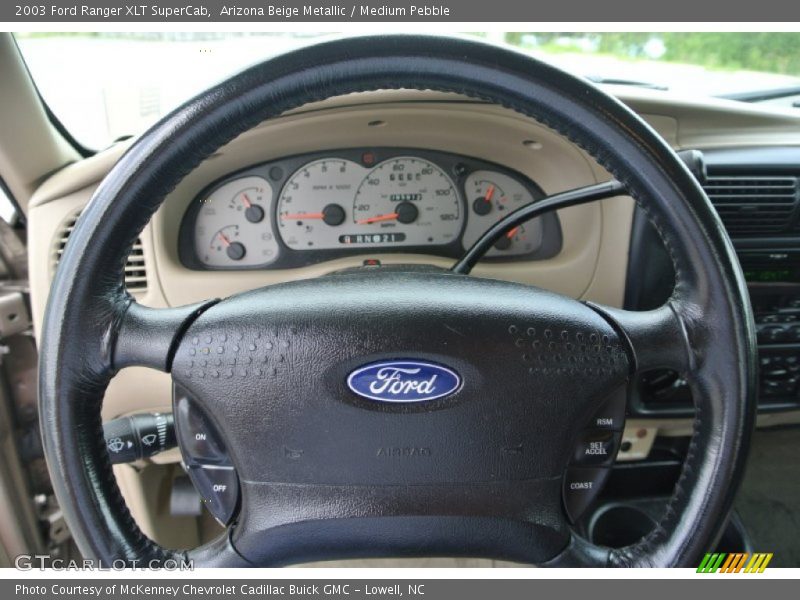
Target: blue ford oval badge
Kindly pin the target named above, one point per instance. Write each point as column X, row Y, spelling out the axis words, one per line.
column 403, row 381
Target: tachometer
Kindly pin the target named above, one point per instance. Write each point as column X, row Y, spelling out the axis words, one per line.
column 232, row 228
column 315, row 201
column 405, row 201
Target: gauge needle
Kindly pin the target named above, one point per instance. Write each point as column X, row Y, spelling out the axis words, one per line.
column 388, row 217
column 224, row 239
column 303, row 216
column 247, row 202
column 513, row 232
column 489, row 193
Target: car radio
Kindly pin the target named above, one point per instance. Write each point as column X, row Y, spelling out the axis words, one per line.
column 774, row 282
column 771, row 266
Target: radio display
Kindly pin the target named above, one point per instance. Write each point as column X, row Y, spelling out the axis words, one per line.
column 768, row 275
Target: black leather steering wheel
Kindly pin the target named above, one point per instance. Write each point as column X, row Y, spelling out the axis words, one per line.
column 463, row 494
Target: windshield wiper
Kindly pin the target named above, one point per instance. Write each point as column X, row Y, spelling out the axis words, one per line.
column 764, row 95
column 631, row 82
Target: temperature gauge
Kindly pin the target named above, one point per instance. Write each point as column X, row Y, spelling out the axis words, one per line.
column 491, row 196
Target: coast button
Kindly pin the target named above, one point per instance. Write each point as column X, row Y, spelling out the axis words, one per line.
column 581, row 487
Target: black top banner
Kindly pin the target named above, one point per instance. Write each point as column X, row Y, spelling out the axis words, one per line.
column 332, row 11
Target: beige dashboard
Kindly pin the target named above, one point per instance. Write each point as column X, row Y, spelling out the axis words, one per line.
column 591, row 264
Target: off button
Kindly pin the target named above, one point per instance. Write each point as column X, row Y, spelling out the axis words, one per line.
column 219, row 489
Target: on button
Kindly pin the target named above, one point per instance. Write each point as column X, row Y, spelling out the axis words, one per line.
column 199, row 441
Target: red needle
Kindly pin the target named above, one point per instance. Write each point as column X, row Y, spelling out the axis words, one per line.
column 388, row 217
column 513, row 232
column 489, row 193
column 247, row 202
column 303, row 216
column 225, row 240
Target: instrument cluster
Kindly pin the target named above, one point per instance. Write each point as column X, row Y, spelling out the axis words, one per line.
column 306, row 209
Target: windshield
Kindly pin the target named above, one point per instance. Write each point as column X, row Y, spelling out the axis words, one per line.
column 105, row 86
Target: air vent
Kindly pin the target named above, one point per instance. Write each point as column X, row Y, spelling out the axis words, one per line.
column 755, row 205
column 135, row 269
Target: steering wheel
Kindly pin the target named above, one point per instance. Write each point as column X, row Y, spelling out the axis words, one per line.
column 475, row 472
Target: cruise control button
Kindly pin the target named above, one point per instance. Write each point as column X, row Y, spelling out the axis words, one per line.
column 612, row 414
column 219, row 489
column 581, row 487
column 596, row 448
column 198, row 439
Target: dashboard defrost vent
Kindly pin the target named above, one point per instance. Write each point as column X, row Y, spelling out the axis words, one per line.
column 135, row 268
column 754, row 205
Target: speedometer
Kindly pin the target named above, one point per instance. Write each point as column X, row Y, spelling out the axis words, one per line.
column 406, row 201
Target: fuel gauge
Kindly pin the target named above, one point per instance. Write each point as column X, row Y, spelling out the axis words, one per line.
column 489, row 197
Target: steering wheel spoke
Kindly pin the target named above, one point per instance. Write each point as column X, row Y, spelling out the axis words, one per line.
column 147, row 337
column 656, row 339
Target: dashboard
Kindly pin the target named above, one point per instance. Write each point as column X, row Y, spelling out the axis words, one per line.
column 314, row 207
column 330, row 187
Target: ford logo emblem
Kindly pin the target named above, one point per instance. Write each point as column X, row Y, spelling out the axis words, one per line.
column 403, row 381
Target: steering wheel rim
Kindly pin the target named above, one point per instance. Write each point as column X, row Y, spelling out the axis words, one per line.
column 705, row 329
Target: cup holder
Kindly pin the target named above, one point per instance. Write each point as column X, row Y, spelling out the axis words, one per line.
column 619, row 525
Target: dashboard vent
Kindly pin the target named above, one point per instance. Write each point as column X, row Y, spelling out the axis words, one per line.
column 753, row 205
column 135, row 268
